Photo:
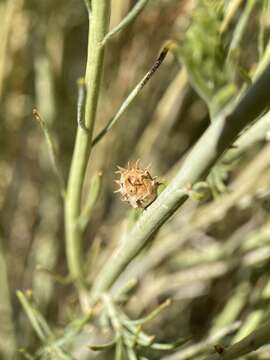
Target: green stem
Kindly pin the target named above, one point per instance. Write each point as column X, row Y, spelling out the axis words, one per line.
column 254, row 319
column 52, row 152
column 232, row 9
column 190, row 352
column 250, row 343
column 241, row 26
column 131, row 16
column 255, row 134
column 31, row 316
column 100, row 15
column 134, row 93
column 232, row 308
column 216, row 139
column 91, row 200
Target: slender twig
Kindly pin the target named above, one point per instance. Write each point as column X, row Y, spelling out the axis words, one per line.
column 116, row 323
column 100, row 14
column 190, row 351
column 131, row 16
column 216, row 139
column 52, row 152
column 232, row 308
column 255, row 318
column 263, row 61
column 50, row 344
column 232, row 9
column 102, row 346
column 126, row 289
column 88, row 5
column 131, row 332
column 241, row 26
column 154, row 313
column 134, row 93
column 262, row 29
column 252, row 342
column 255, row 134
column 31, row 316
column 72, row 331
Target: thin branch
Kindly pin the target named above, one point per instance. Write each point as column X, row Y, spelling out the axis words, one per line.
column 194, row 349
column 252, row 342
column 232, row 10
column 52, row 152
column 31, row 316
column 241, row 26
column 262, row 30
column 134, row 93
column 154, row 313
column 232, row 308
column 88, row 6
column 217, row 138
column 264, row 61
column 50, row 343
column 130, row 17
column 255, row 318
column 255, row 134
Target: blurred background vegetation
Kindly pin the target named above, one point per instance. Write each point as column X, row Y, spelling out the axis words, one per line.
column 212, row 258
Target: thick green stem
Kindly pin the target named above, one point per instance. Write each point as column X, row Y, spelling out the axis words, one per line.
column 216, row 139
column 99, row 21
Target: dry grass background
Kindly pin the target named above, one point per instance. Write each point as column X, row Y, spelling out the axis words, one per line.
column 211, row 258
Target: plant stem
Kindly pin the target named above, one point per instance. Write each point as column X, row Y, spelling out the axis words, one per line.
column 92, row 197
column 216, row 139
column 189, row 352
column 134, row 93
column 31, row 316
column 52, row 152
column 131, row 16
column 252, row 342
column 241, row 26
column 100, row 14
column 233, row 6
